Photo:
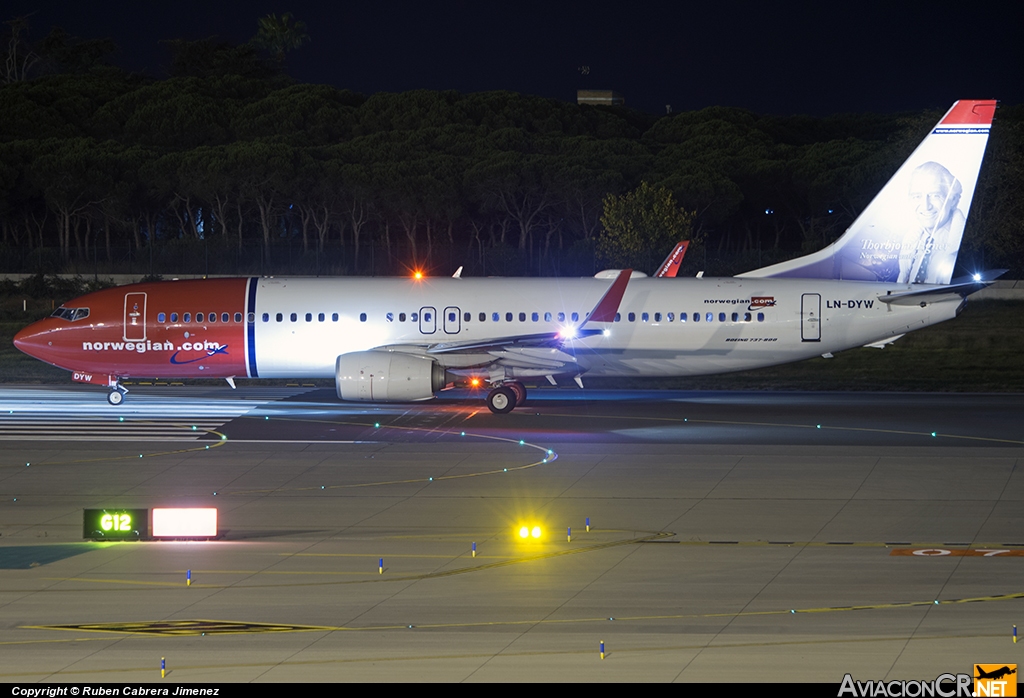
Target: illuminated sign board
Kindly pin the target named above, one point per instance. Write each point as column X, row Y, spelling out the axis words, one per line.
column 115, row 524
column 185, row 523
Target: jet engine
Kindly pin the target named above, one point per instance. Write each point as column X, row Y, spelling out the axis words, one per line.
column 384, row 376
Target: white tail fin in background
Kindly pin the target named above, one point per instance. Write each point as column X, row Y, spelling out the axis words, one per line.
column 911, row 231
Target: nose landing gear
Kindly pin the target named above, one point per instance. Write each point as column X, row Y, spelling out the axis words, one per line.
column 116, row 395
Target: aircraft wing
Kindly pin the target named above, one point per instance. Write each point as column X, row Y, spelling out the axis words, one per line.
column 604, row 311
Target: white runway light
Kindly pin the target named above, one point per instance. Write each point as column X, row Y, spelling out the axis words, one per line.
column 185, row 523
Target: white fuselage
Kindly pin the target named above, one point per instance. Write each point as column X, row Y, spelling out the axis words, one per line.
column 666, row 327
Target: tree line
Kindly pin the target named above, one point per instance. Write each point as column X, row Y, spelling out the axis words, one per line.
column 228, row 156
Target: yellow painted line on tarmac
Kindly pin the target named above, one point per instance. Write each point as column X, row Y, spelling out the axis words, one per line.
column 377, row 578
column 133, row 582
column 987, row 547
column 148, row 669
column 195, row 572
column 375, row 556
column 135, row 628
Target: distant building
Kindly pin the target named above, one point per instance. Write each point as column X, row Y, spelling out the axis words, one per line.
column 604, row 98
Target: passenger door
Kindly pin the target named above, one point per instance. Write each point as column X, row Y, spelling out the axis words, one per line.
column 135, row 317
column 810, row 317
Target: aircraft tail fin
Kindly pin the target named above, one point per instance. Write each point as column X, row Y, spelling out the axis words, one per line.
column 911, row 231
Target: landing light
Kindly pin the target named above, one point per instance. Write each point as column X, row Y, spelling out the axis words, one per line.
column 977, row 277
column 417, row 275
column 526, row 532
column 567, row 333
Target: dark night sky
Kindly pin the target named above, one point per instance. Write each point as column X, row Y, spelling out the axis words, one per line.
column 818, row 59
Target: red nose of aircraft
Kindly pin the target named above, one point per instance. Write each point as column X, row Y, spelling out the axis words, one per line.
column 36, row 340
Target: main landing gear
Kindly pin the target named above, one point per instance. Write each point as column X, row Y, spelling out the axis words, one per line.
column 116, row 395
column 506, row 397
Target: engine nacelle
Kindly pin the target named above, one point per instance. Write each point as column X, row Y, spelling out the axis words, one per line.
column 384, row 376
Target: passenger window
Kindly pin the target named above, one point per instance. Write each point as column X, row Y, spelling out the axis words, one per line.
column 427, row 317
column 735, row 317
column 334, row 317
column 309, row 317
column 483, row 317
column 495, row 317
column 746, row 317
column 710, row 317
column 696, row 317
column 760, row 317
column 390, row 317
column 535, row 317
column 466, row 317
column 294, row 317
column 266, row 317
column 522, row 317
column 561, row 317
column 320, row 317
column 174, row 317
column 213, row 317
column 199, row 317
column 721, row 317
column 575, row 317
column 414, row 317
column 224, row 317
column 645, row 317
column 631, row 317
column 401, row 317
column 280, row 317
column 238, row 317
column 547, row 317
column 682, row 317
column 452, row 317
column 508, row 317
column 671, row 317
column 161, row 317
column 657, row 317
column 618, row 317
column 362, row 317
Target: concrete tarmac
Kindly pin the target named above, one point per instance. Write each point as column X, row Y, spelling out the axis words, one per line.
column 734, row 536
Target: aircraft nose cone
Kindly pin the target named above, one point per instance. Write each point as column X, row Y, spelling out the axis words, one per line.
column 33, row 339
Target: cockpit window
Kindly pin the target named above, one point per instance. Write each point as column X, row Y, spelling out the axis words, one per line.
column 71, row 314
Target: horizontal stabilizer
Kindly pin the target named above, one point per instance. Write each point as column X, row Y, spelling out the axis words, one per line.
column 962, row 286
column 883, row 343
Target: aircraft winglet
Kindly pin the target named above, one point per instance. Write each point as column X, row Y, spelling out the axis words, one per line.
column 670, row 267
column 608, row 306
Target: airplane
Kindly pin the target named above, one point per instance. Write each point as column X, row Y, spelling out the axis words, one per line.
column 994, row 674
column 406, row 339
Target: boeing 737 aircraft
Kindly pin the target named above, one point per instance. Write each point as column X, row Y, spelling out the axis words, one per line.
column 401, row 339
